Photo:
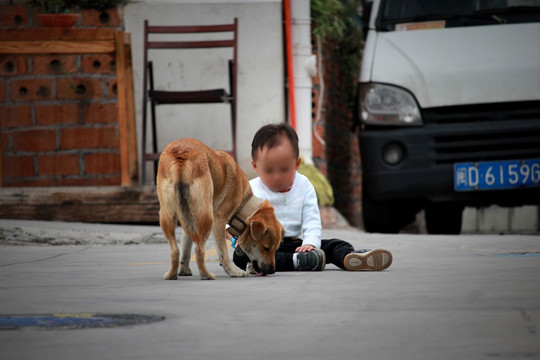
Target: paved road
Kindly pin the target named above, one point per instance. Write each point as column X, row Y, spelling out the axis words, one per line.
column 445, row 297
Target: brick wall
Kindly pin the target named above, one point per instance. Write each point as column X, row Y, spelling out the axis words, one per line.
column 58, row 113
column 339, row 158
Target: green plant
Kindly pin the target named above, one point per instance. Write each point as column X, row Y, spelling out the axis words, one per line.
column 328, row 16
column 53, row 6
column 64, row 6
column 101, row 4
column 337, row 21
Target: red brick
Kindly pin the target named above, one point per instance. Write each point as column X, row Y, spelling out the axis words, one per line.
column 89, row 138
column 108, row 18
column 57, row 114
column 3, row 91
column 314, row 103
column 79, row 88
column 34, row 140
column 318, row 149
column 58, row 164
column 112, row 92
column 6, row 142
column 31, row 89
column 15, row 116
column 100, row 113
column 315, row 80
column 98, row 64
column 14, row 65
column 55, row 64
column 104, row 163
column 17, row 166
column 13, row 16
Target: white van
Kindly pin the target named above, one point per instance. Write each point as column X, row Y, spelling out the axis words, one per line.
column 449, row 110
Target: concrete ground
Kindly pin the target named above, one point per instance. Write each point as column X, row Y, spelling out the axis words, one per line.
column 444, row 297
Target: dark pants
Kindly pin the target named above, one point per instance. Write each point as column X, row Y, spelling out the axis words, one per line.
column 335, row 250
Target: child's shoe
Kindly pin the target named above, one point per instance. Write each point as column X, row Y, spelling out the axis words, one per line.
column 314, row 260
column 250, row 269
column 374, row 260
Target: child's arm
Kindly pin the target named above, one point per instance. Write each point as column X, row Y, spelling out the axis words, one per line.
column 311, row 220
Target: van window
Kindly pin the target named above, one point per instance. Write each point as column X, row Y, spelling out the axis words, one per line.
column 394, row 14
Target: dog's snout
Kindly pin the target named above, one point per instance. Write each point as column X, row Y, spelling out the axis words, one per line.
column 267, row 269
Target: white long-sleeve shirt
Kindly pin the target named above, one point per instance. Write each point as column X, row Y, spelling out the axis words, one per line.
column 296, row 209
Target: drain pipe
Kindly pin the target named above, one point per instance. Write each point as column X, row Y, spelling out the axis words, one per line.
column 304, row 69
column 290, row 67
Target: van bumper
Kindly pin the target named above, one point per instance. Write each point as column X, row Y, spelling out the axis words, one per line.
column 426, row 172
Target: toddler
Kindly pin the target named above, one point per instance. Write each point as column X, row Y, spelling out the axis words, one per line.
column 275, row 158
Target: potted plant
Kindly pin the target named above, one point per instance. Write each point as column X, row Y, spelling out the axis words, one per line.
column 104, row 10
column 101, row 4
column 55, row 13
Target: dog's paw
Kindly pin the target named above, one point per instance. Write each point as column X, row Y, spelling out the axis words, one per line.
column 185, row 272
column 233, row 271
column 239, row 273
column 208, row 276
column 170, row 275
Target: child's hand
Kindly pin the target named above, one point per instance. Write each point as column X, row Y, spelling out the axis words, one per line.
column 305, row 248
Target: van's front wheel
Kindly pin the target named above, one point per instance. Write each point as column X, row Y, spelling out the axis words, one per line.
column 443, row 218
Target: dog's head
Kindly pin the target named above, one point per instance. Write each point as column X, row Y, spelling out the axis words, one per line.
column 261, row 238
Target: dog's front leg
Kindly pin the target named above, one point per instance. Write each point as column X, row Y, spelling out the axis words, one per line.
column 185, row 256
column 221, row 246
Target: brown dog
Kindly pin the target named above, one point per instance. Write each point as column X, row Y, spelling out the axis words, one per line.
column 204, row 190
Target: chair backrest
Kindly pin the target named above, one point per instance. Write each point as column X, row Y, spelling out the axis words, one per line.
column 231, row 41
column 191, row 29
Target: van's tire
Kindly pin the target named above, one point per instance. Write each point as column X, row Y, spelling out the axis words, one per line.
column 443, row 218
column 385, row 216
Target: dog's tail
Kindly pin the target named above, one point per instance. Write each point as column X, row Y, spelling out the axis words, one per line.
column 194, row 199
column 183, row 197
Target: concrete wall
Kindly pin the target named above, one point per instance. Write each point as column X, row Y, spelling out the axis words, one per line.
column 499, row 220
column 492, row 220
column 260, row 71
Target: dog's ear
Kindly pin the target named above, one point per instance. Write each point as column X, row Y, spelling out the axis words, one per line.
column 257, row 229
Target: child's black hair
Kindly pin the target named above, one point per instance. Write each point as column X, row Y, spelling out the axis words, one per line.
column 271, row 135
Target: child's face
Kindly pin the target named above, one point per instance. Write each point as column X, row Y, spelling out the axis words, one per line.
column 277, row 166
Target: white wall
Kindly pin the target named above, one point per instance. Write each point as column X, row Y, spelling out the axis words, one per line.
column 260, row 71
column 499, row 220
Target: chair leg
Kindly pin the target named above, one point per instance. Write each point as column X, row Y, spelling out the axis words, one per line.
column 154, row 136
column 232, row 89
column 233, row 123
column 143, row 143
column 153, row 113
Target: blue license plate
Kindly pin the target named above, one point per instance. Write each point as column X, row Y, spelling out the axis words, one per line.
column 497, row 175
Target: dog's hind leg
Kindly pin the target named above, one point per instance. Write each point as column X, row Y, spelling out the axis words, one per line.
column 203, row 270
column 168, row 226
column 196, row 216
column 200, row 241
column 185, row 256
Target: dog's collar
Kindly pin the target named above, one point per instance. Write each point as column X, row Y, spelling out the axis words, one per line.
column 237, row 222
